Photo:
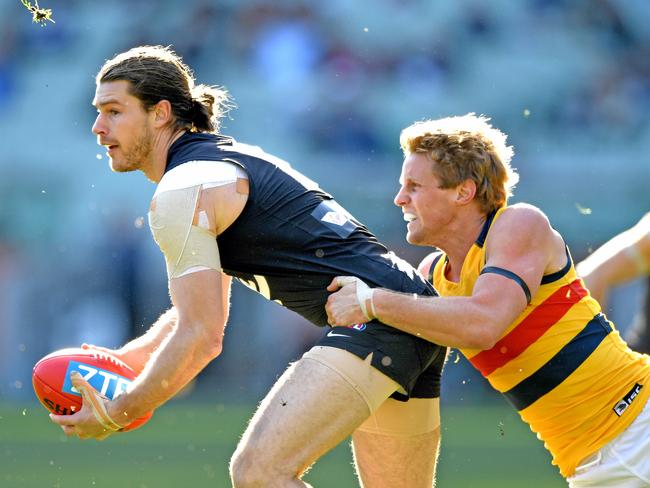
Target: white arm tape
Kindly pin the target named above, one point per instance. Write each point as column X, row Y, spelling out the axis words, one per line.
column 187, row 248
column 209, row 174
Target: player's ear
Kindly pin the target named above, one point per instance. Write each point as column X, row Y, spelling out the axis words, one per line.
column 465, row 192
column 163, row 113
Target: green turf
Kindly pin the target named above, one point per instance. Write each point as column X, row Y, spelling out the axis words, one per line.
column 188, row 445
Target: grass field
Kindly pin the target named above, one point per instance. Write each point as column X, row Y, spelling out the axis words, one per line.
column 188, row 445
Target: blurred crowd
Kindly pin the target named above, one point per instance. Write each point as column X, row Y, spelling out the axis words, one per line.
column 328, row 86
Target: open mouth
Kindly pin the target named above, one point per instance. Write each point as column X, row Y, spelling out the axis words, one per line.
column 409, row 217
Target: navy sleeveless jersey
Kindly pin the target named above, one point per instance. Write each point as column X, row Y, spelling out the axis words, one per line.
column 292, row 238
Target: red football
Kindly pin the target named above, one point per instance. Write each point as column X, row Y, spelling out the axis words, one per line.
column 107, row 374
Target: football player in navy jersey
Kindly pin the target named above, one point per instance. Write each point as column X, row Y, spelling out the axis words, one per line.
column 223, row 209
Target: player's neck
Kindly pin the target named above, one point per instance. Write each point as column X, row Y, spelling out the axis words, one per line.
column 155, row 169
column 459, row 242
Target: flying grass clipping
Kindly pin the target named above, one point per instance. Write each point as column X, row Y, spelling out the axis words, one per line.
column 39, row 15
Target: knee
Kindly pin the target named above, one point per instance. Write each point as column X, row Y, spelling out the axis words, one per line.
column 242, row 470
column 249, row 469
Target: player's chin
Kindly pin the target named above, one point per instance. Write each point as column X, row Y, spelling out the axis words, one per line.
column 412, row 238
column 121, row 167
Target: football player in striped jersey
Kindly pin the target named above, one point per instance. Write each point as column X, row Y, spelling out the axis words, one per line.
column 512, row 302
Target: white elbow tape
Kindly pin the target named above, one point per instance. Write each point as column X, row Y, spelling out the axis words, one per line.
column 187, row 247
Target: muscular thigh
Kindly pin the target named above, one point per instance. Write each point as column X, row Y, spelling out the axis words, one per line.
column 310, row 409
column 398, row 444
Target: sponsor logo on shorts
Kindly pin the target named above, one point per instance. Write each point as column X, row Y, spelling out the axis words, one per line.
column 334, row 334
column 109, row 385
column 627, row 400
column 359, row 327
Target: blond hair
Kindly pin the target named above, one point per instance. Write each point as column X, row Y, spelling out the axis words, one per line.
column 466, row 147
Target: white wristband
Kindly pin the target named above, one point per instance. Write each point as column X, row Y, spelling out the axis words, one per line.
column 364, row 294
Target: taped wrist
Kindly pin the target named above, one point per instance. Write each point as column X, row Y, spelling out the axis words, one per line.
column 364, row 297
column 95, row 401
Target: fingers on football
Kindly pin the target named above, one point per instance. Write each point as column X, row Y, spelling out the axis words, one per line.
column 94, row 401
column 63, row 420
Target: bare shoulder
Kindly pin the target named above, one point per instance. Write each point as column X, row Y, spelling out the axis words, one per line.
column 523, row 229
column 523, row 219
column 525, row 223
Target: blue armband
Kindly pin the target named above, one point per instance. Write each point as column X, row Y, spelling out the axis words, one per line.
column 510, row 275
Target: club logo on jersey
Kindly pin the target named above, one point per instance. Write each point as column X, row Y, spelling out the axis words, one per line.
column 335, row 217
column 109, row 385
column 622, row 405
column 359, row 327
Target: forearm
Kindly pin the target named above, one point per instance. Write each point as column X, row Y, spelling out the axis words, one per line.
column 179, row 358
column 450, row 321
column 622, row 258
column 137, row 352
column 609, row 265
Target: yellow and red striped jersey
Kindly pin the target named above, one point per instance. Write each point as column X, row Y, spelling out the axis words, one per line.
column 561, row 363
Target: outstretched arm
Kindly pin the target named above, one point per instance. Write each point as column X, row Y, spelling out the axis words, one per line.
column 182, row 354
column 199, row 292
column 623, row 258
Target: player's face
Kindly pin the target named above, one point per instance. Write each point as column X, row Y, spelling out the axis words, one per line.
column 426, row 207
column 122, row 126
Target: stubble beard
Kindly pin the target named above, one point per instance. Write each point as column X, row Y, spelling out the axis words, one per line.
column 136, row 157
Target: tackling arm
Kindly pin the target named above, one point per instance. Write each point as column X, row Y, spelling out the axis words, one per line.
column 521, row 241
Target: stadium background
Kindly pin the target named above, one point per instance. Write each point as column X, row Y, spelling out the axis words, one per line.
column 327, row 86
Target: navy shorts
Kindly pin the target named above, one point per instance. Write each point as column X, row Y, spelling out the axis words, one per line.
column 412, row 362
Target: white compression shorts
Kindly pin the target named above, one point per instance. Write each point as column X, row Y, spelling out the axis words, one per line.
column 623, row 462
column 387, row 416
